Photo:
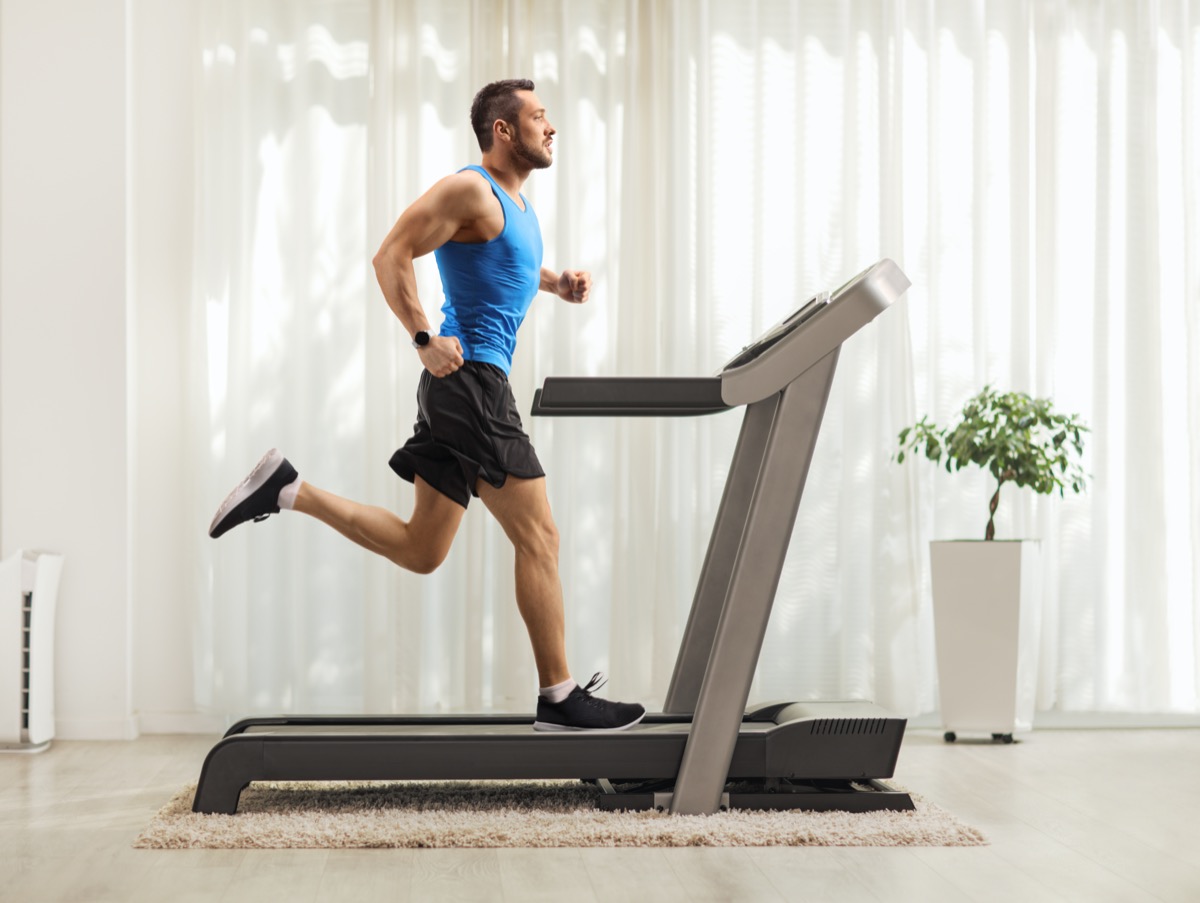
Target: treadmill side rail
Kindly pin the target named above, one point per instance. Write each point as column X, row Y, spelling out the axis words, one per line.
column 617, row 396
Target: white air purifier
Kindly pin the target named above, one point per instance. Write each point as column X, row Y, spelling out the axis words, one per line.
column 28, row 596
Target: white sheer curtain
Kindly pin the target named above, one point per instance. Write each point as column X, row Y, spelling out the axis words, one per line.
column 716, row 163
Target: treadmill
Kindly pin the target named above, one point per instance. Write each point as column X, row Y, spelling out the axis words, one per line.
column 706, row 751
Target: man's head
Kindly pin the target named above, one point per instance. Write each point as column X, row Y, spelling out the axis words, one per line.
column 509, row 112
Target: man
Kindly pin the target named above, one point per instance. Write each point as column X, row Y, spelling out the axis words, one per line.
column 468, row 439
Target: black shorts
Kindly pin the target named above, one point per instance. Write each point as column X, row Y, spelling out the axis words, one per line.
column 467, row 429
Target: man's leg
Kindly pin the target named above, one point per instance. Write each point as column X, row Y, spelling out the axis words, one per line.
column 523, row 511
column 419, row 544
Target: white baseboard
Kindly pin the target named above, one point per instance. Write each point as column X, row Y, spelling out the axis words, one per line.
column 96, row 728
column 1113, row 720
column 1056, row 721
column 134, row 726
column 182, row 723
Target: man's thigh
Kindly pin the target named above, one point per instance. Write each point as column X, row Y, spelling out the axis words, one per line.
column 519, row 505
column 435, row 517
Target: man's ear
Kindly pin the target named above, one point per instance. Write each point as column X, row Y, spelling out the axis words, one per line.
column 502, row 129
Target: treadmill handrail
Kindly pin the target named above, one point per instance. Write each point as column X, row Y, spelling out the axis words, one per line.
column 628, row 396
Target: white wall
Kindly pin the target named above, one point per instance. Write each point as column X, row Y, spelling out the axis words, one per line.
column 63, row 341
column 96, row 194
column 163, row 50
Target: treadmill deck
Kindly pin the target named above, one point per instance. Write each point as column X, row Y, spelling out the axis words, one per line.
column 808, row 741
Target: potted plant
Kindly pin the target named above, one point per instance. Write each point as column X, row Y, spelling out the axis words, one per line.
column 986, row 594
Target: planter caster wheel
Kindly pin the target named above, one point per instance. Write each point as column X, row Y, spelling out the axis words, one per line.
column 1002, row 738
column 949, row 736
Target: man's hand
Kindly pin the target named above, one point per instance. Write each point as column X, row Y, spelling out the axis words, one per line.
column 574, row 285
column 442, row 356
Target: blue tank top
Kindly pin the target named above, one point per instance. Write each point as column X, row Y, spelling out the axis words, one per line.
column 490, row 285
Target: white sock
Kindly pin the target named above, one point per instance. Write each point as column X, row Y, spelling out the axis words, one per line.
column 287, row 495
column 558, row 692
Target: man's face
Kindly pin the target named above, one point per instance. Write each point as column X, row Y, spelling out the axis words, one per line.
column 535, row 135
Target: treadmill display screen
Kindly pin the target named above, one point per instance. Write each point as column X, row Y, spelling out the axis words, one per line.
column 793, row 321
column 849, row 282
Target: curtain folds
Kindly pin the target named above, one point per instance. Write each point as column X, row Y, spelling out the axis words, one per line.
column 1031, row 166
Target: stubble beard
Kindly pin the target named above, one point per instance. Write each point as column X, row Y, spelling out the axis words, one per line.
column 530, row 155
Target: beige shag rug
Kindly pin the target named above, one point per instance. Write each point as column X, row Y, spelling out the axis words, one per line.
column 516, row 814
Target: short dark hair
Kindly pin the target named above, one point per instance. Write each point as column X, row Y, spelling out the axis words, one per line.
column 496, row 101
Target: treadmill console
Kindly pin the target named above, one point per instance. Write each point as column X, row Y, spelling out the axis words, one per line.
column 809, row 309
column 795, row 320
column 808, row 335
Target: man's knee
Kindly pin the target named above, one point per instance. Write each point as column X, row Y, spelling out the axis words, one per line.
column 537, row 537
column 423, row 559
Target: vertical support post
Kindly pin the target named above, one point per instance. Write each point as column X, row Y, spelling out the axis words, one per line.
column 728, row 527
column 750, row 593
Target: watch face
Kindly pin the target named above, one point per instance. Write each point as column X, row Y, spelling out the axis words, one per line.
column 421, row 339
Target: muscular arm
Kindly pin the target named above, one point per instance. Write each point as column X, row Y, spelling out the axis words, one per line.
column 459, row 207
column 433, row 219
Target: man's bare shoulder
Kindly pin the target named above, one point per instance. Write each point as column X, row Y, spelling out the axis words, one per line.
column 467, row 193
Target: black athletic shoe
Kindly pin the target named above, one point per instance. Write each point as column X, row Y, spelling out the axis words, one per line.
column 581, row 711
column 256, row 497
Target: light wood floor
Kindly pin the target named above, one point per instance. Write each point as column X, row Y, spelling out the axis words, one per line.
column 1072, row 815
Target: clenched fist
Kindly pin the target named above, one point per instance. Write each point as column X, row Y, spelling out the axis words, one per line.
column 442, row 356
column 574, row 285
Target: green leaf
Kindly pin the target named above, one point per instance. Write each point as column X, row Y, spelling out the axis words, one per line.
column 1009, row 435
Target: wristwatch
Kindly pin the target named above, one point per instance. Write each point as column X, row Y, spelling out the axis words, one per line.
column 421, row 339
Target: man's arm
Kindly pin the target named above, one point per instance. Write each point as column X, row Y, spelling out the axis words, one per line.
column 570, row 285
column 431, row 221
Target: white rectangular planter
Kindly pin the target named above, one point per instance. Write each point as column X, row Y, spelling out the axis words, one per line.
column 987, row 625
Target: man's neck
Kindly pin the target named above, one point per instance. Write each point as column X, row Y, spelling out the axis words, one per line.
column 507, row 176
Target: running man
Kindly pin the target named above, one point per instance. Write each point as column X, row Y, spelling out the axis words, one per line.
column 468, row 439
